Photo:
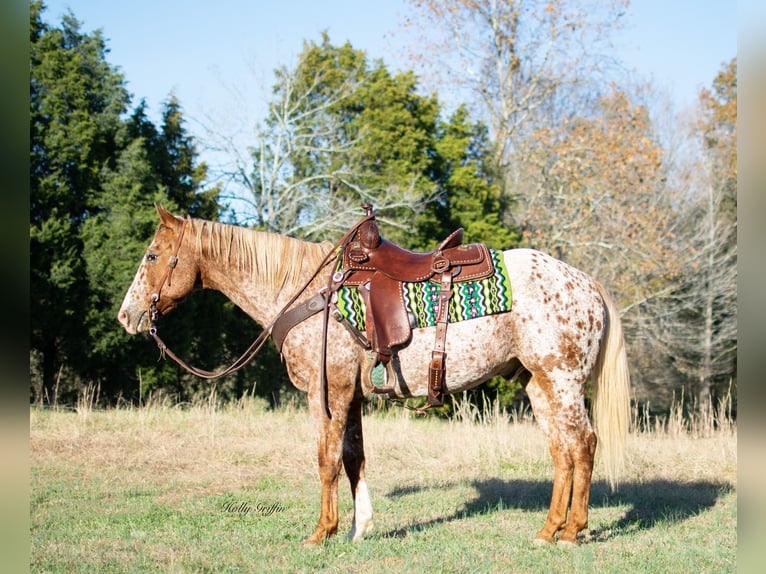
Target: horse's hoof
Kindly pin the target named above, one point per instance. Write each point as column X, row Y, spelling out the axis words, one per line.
column 541, row 541
column 358, row 535
column 316, row 539
column 567, row 544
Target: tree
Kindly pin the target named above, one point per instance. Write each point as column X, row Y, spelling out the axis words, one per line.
column 718, row 130
column 593, row 191
column 155, row 165
column 593, row 194
column 469, row 194
column 341, row 132
column 181, row 175
column 76, row 100
column 516, row 60
column 584, row 176
column 702, row 329
column 94, row 176
column 700, row 326
column 114, row 240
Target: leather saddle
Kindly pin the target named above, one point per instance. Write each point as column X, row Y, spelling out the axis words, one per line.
column 378, row 268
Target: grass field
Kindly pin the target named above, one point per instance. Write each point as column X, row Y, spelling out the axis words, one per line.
column 235, row 489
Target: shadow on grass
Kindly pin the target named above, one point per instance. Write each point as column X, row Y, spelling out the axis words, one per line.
column 649, row 503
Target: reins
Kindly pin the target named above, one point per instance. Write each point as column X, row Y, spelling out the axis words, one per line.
column 243, row 360
column 256, row 345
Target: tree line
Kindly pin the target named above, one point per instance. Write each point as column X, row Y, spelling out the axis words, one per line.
column 542, row 152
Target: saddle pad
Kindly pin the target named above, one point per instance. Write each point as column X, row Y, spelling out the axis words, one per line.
column 470, row 300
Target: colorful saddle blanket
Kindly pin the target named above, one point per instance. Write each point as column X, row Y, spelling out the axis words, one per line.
column 470, row 299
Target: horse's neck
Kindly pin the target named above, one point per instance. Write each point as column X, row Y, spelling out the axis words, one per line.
column 259, row 272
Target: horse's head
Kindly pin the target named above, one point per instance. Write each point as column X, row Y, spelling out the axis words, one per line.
column 167, row 274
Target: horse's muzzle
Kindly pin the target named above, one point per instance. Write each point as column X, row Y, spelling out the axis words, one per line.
column 132, row 321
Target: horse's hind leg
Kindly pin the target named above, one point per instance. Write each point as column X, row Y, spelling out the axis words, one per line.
column 560, row 411
column 582, row 452
column 538, row 390
column 353, row 462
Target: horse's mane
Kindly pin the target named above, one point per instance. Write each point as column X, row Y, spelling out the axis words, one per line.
column 275, row 259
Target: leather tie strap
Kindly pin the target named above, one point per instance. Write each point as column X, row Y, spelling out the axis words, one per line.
column 438, row 356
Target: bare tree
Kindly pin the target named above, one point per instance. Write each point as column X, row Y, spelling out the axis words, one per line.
column 592, row 192
column 705, row 346
column 299, row 126
column 704, row 334
column 515, row 57
column 691, row 328
column 593, row 181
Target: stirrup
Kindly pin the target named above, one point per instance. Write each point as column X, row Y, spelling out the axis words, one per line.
column 377, row 376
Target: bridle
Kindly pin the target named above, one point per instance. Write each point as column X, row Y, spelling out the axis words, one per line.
column 166, row 277
column 155, row 314
column 256, row 345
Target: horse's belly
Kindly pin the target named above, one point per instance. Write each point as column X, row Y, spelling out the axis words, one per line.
column 477, row 350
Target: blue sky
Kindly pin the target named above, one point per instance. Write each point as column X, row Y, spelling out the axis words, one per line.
column 196, row 49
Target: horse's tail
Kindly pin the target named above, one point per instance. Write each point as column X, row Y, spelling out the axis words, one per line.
column 611, row 396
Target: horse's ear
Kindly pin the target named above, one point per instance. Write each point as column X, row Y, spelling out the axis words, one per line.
column 166, row 217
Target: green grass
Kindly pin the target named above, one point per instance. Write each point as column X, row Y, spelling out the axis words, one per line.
column 161, row 489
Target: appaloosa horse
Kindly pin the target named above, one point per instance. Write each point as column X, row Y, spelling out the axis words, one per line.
column 563, row 328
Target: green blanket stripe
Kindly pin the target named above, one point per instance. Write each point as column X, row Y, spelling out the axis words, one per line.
column 470, row 300
column 352, row 307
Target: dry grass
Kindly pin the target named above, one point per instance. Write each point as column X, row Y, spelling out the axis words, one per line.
column 203, row 449
column 477, row 479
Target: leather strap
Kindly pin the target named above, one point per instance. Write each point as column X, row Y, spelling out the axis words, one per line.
column 168, row 274
column 438, row 356
column 291, row 318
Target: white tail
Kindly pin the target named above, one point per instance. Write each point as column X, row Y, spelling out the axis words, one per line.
column 611, row 396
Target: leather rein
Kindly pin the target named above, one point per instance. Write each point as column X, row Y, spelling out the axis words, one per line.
column 155, row 314
column 256, row 345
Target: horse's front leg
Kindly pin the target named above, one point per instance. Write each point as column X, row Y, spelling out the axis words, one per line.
column 353, row 462
column 330, row 451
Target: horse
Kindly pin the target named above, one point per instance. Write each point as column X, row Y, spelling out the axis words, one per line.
column 562, row 330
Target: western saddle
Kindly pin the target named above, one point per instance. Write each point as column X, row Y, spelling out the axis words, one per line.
column 378, row 268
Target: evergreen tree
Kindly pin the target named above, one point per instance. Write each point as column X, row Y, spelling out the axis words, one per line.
column 95, row 175
column 343, row 131
column 470, row 195
column 114, row 240
column 156, row 165
column 176, row 164
column 76, row 100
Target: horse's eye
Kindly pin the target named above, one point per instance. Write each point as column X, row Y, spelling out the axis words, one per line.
column 151, row 258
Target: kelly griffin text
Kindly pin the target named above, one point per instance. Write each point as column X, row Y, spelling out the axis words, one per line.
column 244, row 508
